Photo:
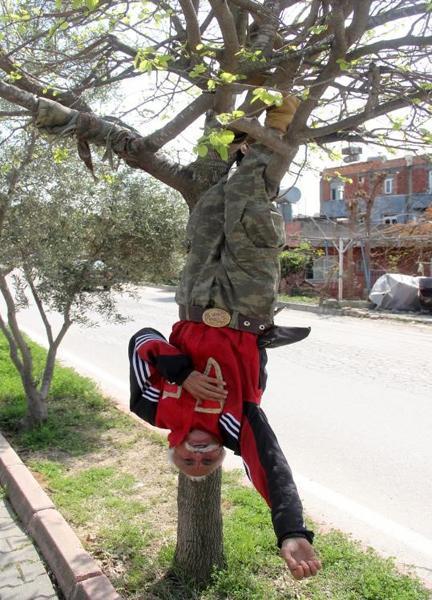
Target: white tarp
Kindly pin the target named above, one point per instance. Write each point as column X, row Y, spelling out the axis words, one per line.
column 396, row 292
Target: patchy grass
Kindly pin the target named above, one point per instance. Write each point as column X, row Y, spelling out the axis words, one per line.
column 299, row 299
column 109, row 477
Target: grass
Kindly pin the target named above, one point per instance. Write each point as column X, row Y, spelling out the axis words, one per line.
column 109, row 477
column 299, row 299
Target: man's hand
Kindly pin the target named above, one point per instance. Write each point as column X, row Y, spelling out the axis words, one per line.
column 202, row 387
column 300, row 558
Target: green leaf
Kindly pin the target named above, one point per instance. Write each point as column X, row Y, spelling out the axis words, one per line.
column 226, row 77
column 222, row 151
column 268, row 97
column 14, row 76
column 397, row 123
column 91, row 4
column 251, row 55
column 198, row 70
column 343, row 64
column 211, row 84
column 224, row 137
column 225, row 118
column 201, row 150
column 317, row 29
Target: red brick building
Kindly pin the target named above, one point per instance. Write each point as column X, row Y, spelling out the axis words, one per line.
column 364, row 208
column 405, row 189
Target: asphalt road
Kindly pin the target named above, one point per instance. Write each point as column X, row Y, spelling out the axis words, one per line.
column 351, row 406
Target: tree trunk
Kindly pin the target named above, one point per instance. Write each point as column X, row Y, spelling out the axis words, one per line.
column 37, row 408
column 199, row 529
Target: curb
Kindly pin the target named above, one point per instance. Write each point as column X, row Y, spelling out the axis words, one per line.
column 361, row 313
column 77, row 573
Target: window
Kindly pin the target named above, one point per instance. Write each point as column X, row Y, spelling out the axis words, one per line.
column 390, row 220
column 430, row 182
column 361, row 179
column 336, row 191
column 388, row 185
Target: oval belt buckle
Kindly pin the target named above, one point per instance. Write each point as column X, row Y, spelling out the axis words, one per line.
column 216, row 317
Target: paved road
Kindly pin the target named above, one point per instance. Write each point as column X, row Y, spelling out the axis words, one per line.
column 351, row 405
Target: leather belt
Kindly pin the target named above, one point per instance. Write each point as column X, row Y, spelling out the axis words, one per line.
column 217, row 317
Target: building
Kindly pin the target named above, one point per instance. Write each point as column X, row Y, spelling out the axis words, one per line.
column 405, row 189
column 363, row 230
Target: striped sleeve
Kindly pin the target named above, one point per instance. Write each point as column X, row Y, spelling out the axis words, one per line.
column 229, row 428
column 152, row 360
column 144, row 394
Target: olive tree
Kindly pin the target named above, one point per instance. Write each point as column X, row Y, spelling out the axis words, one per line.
column 67, row 243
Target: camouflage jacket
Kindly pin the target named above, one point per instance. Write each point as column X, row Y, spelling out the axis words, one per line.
column 234, row 237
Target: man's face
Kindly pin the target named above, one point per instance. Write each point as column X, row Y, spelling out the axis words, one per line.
column 199, row 454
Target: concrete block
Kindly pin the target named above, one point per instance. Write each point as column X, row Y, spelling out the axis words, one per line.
column 24, row 492
column 96, row 588
column 40, row 589
column 10, row 577
column 62, row 550
column 8, row 456
column 16, row 557
column 7, row 528
column 32, row 570
column 17, row 540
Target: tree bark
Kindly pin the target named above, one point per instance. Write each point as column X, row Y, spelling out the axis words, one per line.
column 199, row 529
column 37, row 408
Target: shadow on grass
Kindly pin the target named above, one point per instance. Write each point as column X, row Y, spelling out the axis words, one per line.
column 78, row 415
column 172, row 587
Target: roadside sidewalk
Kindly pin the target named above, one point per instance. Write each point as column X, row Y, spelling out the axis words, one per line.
column 366, row 313
column 22, row 573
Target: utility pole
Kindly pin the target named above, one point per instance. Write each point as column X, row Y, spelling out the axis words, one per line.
column 409, row 164
column 340, row 275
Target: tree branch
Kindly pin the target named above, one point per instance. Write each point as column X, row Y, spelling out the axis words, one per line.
column 359, row 21
column 31, row 85
column 181, row 121
column 52, row 353
column 13, row 348
column 261, row 134
column 192, row 26
column 397, row 13
column 51, row 117
column 253, row 7
column 21, row 350
column 393, row 44
column 229, row 33
column 40, row 307
column 16, row 96
column 354, row 121
column 209, row 18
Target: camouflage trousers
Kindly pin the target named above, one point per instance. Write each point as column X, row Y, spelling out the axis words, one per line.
column 234, row 236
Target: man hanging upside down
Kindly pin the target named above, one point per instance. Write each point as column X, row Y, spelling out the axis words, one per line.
column 205, row 384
